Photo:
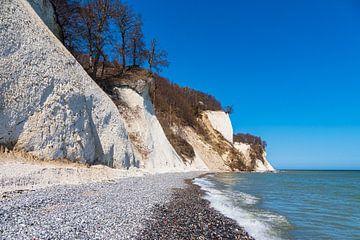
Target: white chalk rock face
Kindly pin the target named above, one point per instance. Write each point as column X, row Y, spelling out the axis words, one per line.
column 207, row 157
column 45, row 10
column 221, row 122
column 49, row 106
column 152, row 149
column 265, row 166
column 260, row 166
column 243, row 148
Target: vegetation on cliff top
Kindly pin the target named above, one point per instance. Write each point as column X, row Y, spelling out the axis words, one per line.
column 98, row 32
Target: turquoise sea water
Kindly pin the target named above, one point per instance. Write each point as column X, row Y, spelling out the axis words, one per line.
column 289, row 204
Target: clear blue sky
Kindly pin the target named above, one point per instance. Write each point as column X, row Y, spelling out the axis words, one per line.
column 290, row 68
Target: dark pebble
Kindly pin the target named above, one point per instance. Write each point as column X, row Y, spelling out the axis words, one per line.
column 189, row 216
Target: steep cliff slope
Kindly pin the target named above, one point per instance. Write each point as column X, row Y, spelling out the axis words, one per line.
column 258, row 162
column 151, row 147
column 252, row 152
column 132, row 93
column 204, row 151
column 49, row 106
column 221, row 122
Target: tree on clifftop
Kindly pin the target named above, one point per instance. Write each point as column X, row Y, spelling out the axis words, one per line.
column 137, row 45
column 67, row 14
column 95, row 17
column 229, row 109
column 125, row 21
column 98, row 31
column 155, row 57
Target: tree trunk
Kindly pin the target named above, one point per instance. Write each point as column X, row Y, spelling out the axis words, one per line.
column 123, row 52
column 103, row 69
column 95, row 65
column 134, row 52
column 103, row 65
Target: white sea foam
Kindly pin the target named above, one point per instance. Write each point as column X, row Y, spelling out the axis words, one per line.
column 245, row 198
column 256, row 223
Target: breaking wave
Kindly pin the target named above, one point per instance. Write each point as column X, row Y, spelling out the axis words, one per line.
column 239, row 206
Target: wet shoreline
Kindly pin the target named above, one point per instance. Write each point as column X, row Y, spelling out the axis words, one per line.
column 189, row 216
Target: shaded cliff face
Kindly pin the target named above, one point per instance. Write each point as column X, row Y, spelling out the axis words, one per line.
column 45, row 10
column 49, row 106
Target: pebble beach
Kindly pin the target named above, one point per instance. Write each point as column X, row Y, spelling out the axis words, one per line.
column 60, row 200
column 152, row 206
column 107, row 210
column 189, row 216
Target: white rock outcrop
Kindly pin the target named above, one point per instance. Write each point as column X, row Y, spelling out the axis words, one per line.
column 221, row 122
column 49, row 106
column 152, row 149
column 260, row 166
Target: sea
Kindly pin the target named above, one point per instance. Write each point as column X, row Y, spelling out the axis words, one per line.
column 289, row 204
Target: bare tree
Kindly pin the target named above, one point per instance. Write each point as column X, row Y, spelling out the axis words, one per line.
column 95, row 16
column 67, row 12
column 137, row 45
column 86, row 28
column 155, row 57
column 88, row 22
column 125, row 20
column 102, row 14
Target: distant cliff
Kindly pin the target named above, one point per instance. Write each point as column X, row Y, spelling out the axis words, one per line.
column 199, row 120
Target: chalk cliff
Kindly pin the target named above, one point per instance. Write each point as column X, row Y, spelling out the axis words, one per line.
column 49, row 106
column 52, row 109
column 258, row 165
column 221, row 122
column 247, row 153
column 151, row 147
column 205, row 152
